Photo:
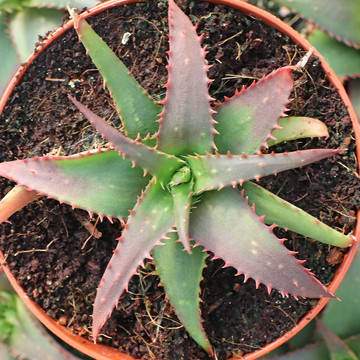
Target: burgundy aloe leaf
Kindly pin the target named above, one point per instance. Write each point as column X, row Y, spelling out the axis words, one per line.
column 157, row 163
column 79, row 180
column 246, row 120
column 186, row 125
column 224, row 224
column 148, row 224
column 181, row 282
column 218, row 171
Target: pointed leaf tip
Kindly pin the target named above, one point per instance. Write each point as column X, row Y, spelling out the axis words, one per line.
column 79, row 181
column 244, row 242
column 137, row 110
column 148, row 224
column 212, row 172
column 186, row 125
column 246, row 120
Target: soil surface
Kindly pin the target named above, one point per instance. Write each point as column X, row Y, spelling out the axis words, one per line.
column 59, row 255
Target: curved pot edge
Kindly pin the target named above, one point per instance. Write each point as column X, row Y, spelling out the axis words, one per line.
column 77, row 342
column 333, row 78
column 106, row 353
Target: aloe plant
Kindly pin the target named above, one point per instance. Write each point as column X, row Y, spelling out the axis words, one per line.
column 180, row 175
column 21, row 335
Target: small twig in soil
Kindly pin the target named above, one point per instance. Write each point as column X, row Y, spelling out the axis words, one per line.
column 238, row 56
column 291, row 59
column 159, row 41
column 242, row 344
column 337, row 211
column 146, row 343
column 217, row 303
column 285, row 313
column 234, row 76
column 349, row 170
column 75, row 311
column 159, row 321
column 66, row 230
column 229, row 38
column 37, row 250
column 55, row 80
column 301, row 197
column 41, row 221
column 91, row 229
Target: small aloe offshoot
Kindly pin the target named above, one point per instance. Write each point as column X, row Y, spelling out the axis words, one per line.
column 181, row 175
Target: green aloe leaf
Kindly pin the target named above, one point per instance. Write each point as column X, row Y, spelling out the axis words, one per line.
column 217, row 171
column 61, row 4
column 10, row 62
column 339, row 18
column 246, row 120
column 10, row 5
column 318, row 351
column 137, row 110
column 186, row 125
column 157, row 163
column 298, row 127
column 337, row 347
column 26, row 25
column 354, row 344
column 354, row 92
column 151, row 220
column 181, row 281
column 24, row 336
column 287, row 216
column 344, row 60
column 224, row 224
column 343, row 318
column 181, row 194
column 91, row 182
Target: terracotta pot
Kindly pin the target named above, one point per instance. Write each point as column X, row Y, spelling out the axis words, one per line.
column 101, row 352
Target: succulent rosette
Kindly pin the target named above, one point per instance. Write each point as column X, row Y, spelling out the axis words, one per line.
column 180, row 175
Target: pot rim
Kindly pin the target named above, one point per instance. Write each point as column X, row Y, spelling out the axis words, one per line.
column 101, row 352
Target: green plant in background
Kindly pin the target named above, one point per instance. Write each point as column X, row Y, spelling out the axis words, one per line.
column 21, row 335
column 337, row 37
column 336, row 334
column 185, row 166
column 21, row 23
column 338, row 330
column 341, row 19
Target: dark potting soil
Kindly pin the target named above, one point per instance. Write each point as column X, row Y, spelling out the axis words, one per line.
column 59, row 255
